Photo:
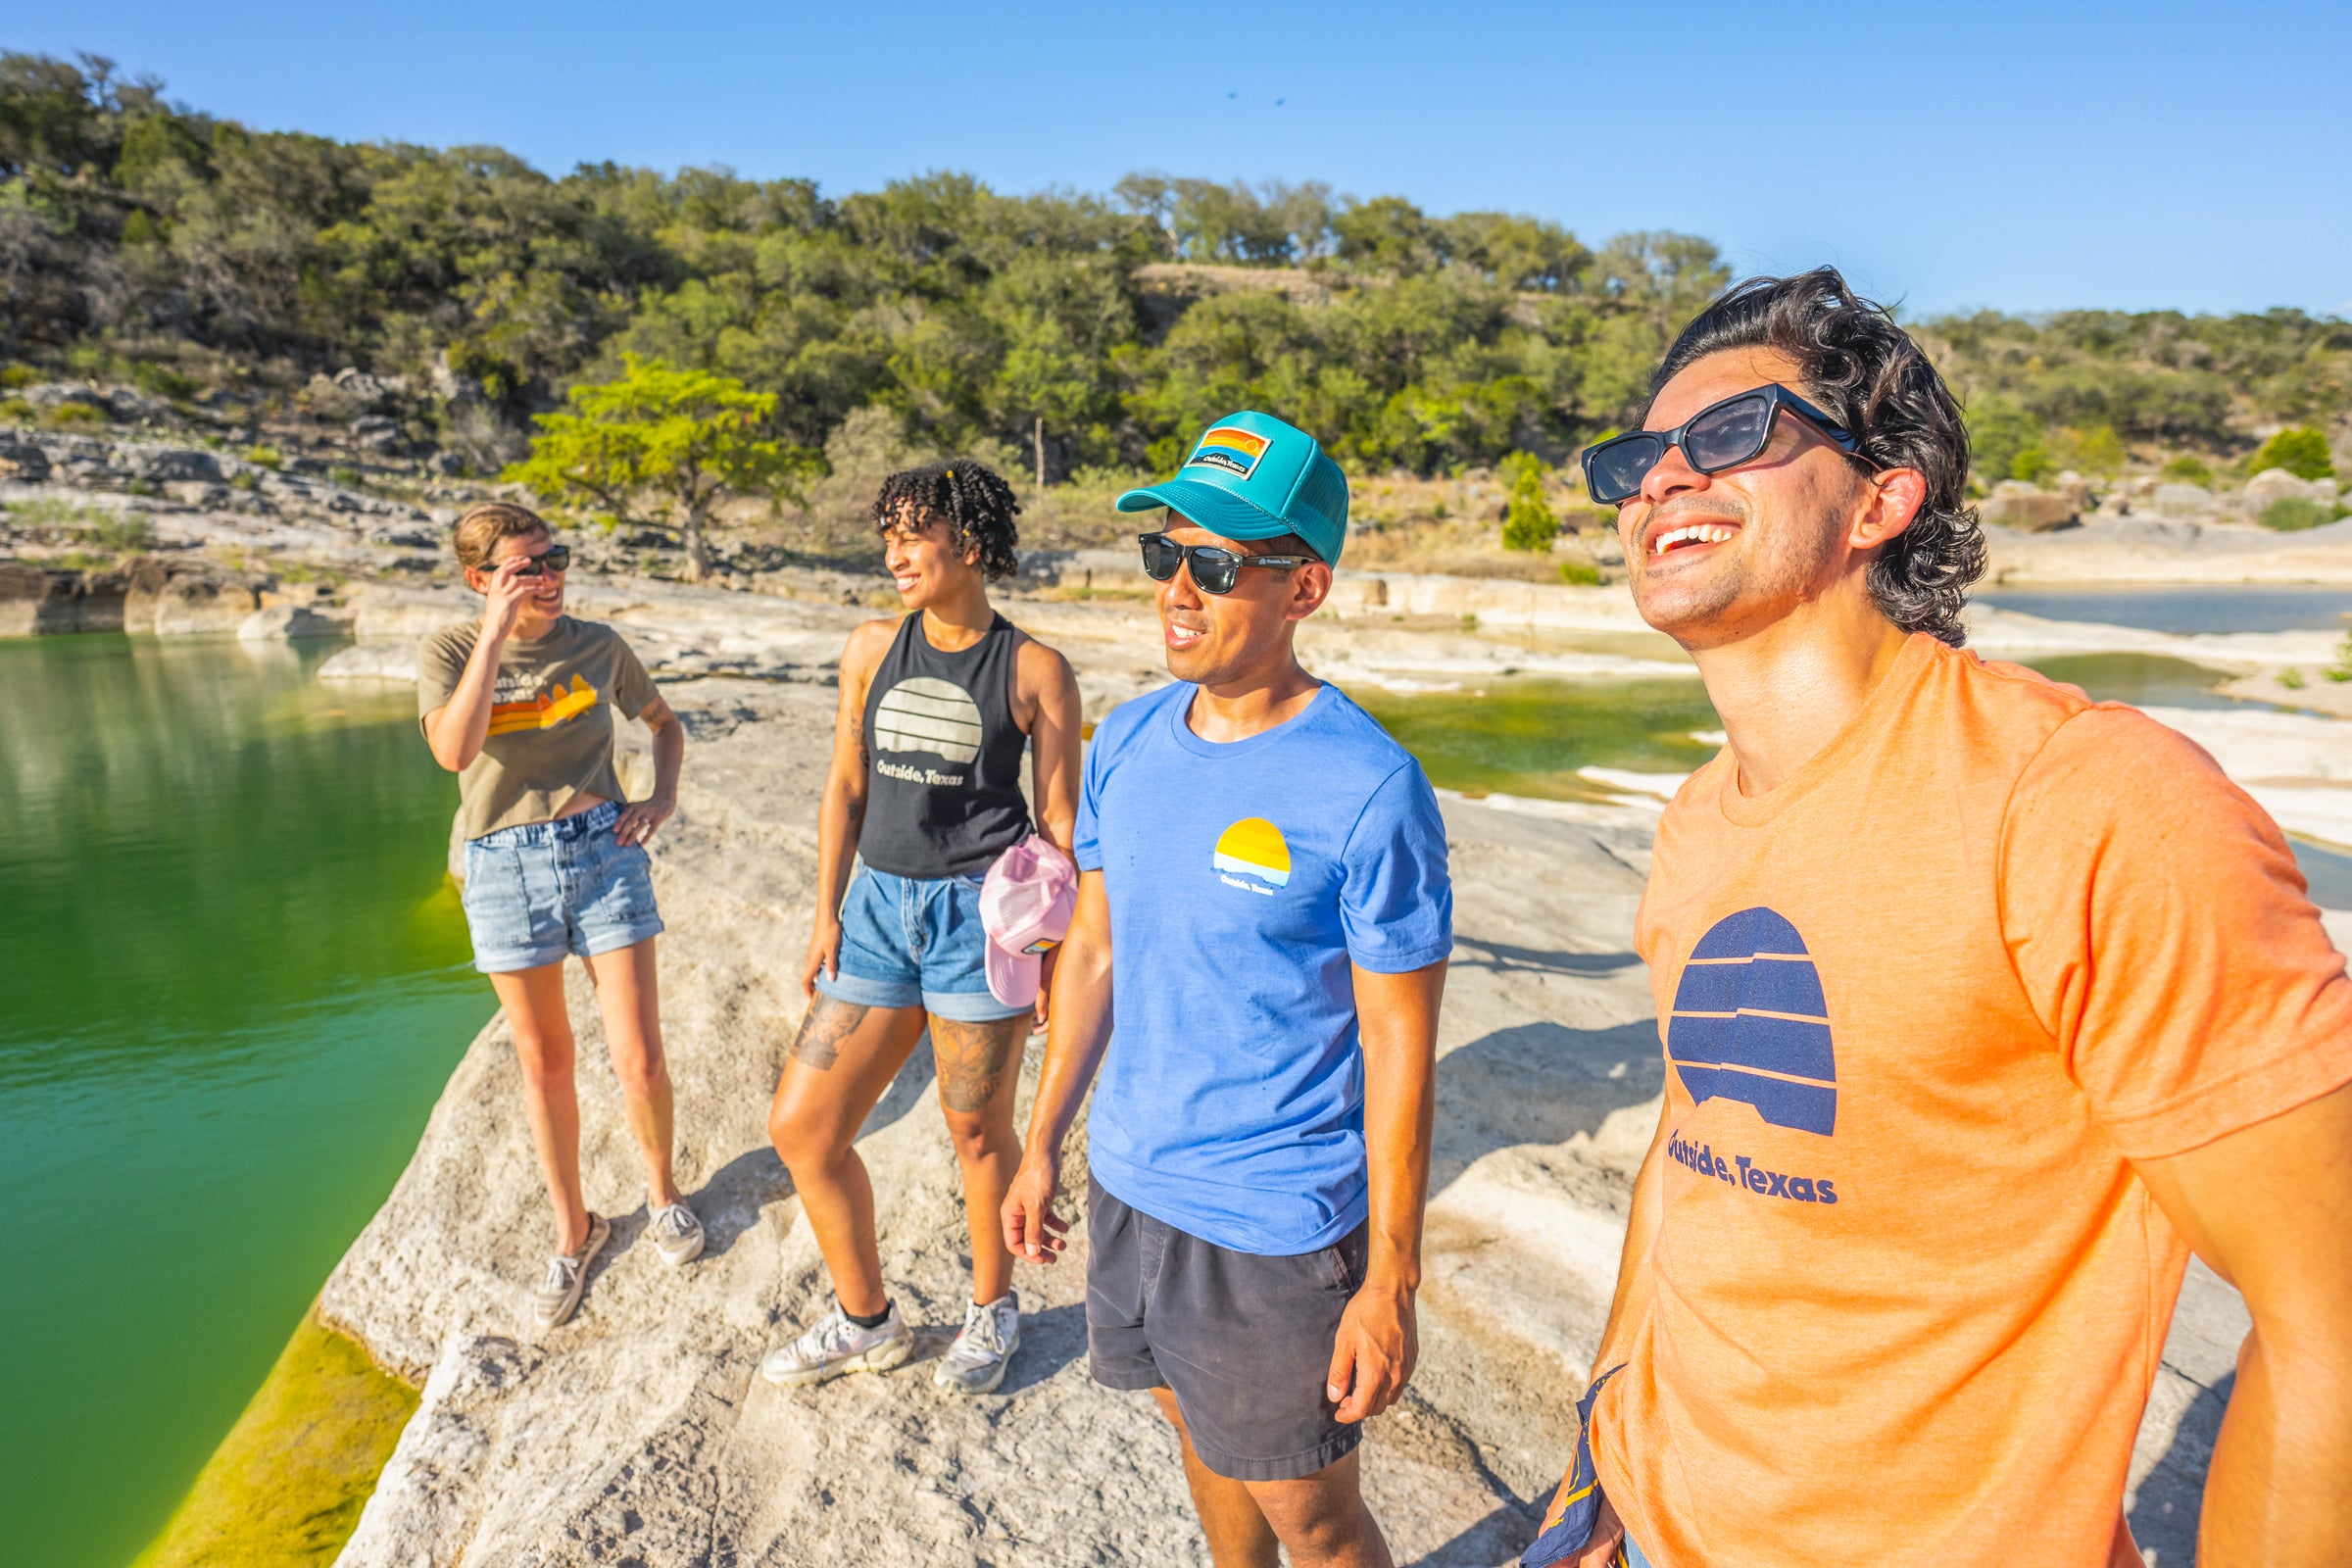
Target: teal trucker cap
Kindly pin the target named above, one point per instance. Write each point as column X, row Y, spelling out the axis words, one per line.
column 1252, row 477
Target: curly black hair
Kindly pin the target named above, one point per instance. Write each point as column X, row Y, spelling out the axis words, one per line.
column 1866, row 371
column 970, row 497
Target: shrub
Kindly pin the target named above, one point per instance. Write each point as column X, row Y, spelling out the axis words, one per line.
column 2293, row 513
column 1581, row 573
column 2031, row 464
column 16, row 376
column 1528, row 523
column 348, row 479
column 246, row 481
column 2291, row 678
column 75, row 416
column 15, row 411
column 2099, row 450
column 265, row 456
column 2301, row 452
column 2187, row 469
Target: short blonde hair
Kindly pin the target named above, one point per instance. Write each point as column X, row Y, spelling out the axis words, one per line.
column 477, row 533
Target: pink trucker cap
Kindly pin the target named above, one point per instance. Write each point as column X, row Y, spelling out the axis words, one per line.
column 1025, row 906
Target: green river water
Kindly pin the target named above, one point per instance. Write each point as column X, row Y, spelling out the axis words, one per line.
column 232, row 980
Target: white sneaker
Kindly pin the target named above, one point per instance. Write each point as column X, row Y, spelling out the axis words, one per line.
column 677, row 1234
column 559, row 1292
column 975, row 1363
column 835, row 1345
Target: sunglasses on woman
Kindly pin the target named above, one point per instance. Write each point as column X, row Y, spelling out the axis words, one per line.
column 554, row 557
column 1215, row 571
column 1722, row 435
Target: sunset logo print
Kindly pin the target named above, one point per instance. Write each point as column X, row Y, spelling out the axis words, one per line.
column 545, row 711
column 1235, row 451
column 1252, row 854
column 1750, row 1024
column 924, row 713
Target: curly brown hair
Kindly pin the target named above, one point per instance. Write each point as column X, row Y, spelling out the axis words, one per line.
column 970, row 497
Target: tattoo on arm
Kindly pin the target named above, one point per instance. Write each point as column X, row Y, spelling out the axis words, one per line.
column 972, row 1057
column 827, row 1025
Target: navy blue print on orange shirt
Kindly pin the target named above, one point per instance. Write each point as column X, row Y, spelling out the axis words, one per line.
column 1749, row 1025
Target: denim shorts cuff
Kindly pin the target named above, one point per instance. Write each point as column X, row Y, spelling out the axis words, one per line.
column 611, row 938
column 864, row 991
column 969, row 1006
column 510, row 961
column 1289, row 1467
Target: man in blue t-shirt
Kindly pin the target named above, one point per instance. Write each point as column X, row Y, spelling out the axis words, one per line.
column 1254, row 966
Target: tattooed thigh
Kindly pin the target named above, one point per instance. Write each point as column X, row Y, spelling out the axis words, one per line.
column 972, row 1057
column 828, row 1021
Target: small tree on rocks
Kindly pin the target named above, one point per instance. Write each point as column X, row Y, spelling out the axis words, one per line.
column 1528, row 523
column 2301, row 452
column 660, row 447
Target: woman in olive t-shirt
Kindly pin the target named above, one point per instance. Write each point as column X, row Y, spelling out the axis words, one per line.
column 519, row 706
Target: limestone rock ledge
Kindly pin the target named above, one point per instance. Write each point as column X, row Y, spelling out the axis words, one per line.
column 640, row 1433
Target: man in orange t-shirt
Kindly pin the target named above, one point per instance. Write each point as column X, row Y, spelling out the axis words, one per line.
column 1983, row 1006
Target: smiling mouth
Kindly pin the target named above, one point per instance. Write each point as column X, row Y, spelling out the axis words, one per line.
column 1695, row 533
column 1183, row 636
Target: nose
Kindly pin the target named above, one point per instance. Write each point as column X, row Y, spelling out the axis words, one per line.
column 1180, row 590
column 1670, row 476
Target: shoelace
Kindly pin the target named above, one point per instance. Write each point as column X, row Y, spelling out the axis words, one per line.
column 981, row 1331
column 559, row 1271
column 676, row 1221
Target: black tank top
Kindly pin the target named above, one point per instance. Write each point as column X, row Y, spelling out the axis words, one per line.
column 943, row 782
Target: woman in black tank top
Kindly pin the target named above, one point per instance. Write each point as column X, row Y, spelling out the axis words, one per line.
column 924, row 794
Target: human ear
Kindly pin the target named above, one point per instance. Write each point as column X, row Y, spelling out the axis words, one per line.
column 1311, row 585
column 1893, row 497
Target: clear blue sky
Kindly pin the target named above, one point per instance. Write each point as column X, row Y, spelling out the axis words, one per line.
column 2027, row 157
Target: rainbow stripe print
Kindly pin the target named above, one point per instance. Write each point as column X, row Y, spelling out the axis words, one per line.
column 1234, row 449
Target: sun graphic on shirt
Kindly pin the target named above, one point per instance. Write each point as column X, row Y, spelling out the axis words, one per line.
column 1253, row 846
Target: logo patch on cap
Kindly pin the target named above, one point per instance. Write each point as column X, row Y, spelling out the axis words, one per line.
column 1227, row 447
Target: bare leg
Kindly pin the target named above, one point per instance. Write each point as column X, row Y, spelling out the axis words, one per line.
column 1239, row 1536
column 839, row 1067
column 979, row 1077
column 628, row 991
column 1322, row 1519
column 534, row 1002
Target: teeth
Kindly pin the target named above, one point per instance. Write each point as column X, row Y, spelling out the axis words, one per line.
column 1702, row 533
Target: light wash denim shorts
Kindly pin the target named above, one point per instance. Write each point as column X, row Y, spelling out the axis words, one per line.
column 540, row 889
column 914, row 942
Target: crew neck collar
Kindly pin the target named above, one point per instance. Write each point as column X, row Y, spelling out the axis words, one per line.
column 545, row 637
column 1909, row 668
column 1179, row 718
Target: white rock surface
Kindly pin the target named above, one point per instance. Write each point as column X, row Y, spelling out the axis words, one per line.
column 640, row 1433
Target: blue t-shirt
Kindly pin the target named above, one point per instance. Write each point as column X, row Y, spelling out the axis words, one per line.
column 1242, row 879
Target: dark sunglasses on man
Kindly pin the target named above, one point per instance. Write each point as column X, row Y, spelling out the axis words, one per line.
column 1722, row 435
column 1215, row 571
column 554, row 557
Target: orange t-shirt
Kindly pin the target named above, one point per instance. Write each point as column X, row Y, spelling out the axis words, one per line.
column 1921, row 1006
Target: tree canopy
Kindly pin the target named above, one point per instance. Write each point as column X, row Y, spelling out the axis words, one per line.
column 145, row 240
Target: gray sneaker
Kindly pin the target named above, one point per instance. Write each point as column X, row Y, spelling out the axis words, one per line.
column 559, row 1292
column 975, row 1363
column 677, row 1235
column 836, row 1346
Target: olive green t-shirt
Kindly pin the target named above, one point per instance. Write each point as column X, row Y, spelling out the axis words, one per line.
column 550, row 718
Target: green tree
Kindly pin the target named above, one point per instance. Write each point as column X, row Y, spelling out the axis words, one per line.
column 1528, row 523
column 2301, row 452
column 661, row 446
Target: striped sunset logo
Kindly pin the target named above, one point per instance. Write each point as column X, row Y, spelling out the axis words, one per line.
column 924, row 713
column 1749, row 1023
column 1253, row 846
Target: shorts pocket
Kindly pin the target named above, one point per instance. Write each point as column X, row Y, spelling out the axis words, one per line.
column 497, row 902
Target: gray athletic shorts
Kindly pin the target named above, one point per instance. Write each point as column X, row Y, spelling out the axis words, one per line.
column 1243, row 1340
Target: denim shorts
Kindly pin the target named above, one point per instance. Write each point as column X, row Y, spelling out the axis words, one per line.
column 1243, row 1340
column 914, row 942
column 540, row 889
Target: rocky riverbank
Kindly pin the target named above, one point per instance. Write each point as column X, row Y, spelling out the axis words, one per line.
column 641, row 1432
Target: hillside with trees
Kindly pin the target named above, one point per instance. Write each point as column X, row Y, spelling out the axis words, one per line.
column 149, row 243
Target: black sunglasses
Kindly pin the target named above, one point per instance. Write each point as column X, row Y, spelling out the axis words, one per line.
column 1215, row 571
column 554, row 557
column 1722, row 435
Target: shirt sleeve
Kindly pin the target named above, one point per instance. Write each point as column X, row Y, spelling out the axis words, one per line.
column 2159, row 923
column 440, row 665
column 633, row 687
column 1396, row 895
column 1085, row 836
